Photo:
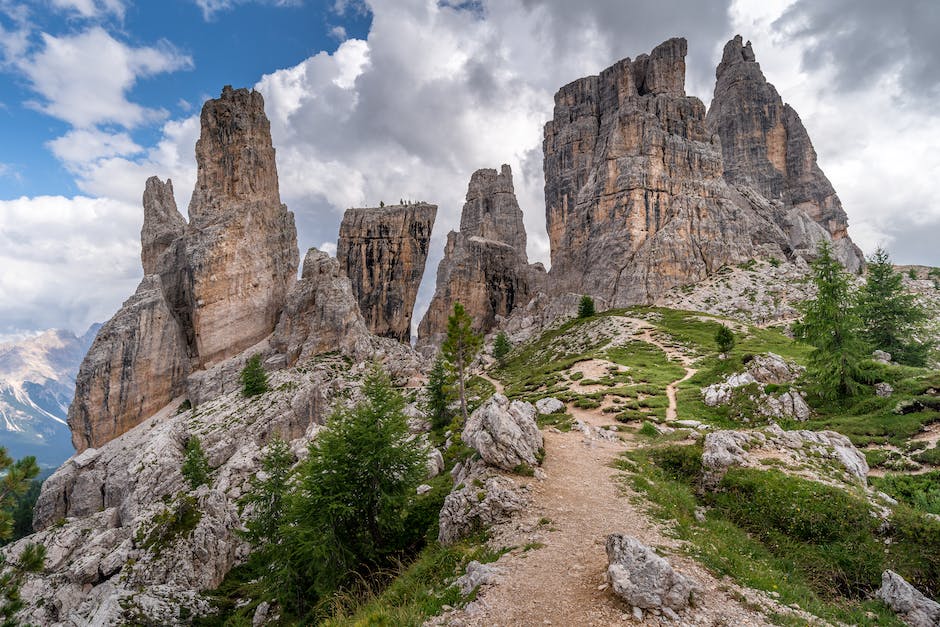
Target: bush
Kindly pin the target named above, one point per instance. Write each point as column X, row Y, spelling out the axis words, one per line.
column 682, row 463
column 724, row 339
column 195, row 463
column 254, row 378
column 586, row 307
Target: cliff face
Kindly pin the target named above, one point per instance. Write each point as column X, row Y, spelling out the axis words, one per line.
column 212, row 287
column 635, row 199
column 483, row 267
column 136, row 364
column 635, row 186
column 383, row 251
column 766, row 147
column 241, row 245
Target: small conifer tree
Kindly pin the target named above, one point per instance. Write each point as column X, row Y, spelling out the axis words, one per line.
column 15, row 479
column 438, row 394
column 501, row 347
column 586, row 307
column 254, row 378
column 267, row 494
column 724, row 339
column 831, row 325
column 195, row 463
column 459, row 349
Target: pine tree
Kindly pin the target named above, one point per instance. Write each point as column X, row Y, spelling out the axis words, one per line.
column 15, row 479
column 254, row 378
column 831, row 325
column 459, row 349
column 347, row 513
column 724, row 339
column 586, row 307
column 891, row 317
column 438, row 394
column 501, row 347
column 195, row 463
column 267, row 494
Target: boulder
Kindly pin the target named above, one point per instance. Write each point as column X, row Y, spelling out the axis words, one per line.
column 908, row 602
column 383, row 251
column 549, row 405
column 644, row 579
column 480, row 499
column 881, row 357
column 884, row 390
column 504, row 433
column 476, row 575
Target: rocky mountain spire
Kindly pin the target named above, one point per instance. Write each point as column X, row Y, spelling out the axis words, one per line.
column 484, row 265
column 241, row 246
column 383, row 251
column 163, row 223
column 212, row 288
column 492, row 211
column 766, row 147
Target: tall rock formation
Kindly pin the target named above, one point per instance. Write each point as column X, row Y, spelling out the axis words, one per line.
column 241, row 244
column 136, row 365
column 321, row 314
column 485, row 265
column 212, row 287
column 636, row 198
column 163, row 223
column 766, row 147
column 383, row 251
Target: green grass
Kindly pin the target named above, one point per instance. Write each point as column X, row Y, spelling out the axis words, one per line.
column 929, row 456
column 419, row 591
column 921, row 492
column 777, row 553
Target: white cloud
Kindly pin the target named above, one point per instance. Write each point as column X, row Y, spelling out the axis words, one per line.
column 66, row 261
column 83, row 79
column 211, row 7
column 79, row 147
column 91, row 8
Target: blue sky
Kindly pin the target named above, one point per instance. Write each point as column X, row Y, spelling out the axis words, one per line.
column 232, row 45
column 373, row 100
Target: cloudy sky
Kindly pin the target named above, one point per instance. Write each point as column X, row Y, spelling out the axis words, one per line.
column 387, row 99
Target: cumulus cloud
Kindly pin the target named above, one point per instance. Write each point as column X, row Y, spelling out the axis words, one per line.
column 66, row 261
column 84, row 78
column 91, row 8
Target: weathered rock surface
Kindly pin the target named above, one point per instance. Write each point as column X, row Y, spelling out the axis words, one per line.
column 504, row 433
column 103, row 515
column 137, row 363
column 383, row 251
column 762, row 369
column 485, row 266
column 908, row 602
column 163, row 223
column 480, row 499
column 549, row 405
column 766, row 147
column 636, row 199
column 321, row 313
column 476, row 575
column 644, row 579
column 241, row 244
column 792, row 449
column 212, row 288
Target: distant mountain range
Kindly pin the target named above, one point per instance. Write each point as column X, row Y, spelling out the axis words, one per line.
column 37, row 382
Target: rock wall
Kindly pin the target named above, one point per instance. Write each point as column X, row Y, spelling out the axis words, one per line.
column 241, row 244
column 137, row 363
column 636, row 197
column 766, row 147
column 483, row 267
column 383, row 251
column 162, row 223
